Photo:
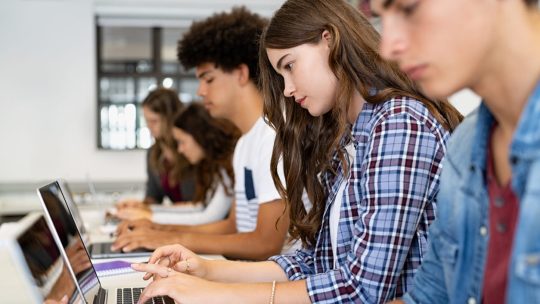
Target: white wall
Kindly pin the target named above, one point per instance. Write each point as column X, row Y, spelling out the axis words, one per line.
column 47, row 96
column 47, row 88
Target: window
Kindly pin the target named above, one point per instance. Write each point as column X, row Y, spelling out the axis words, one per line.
column 131, row 62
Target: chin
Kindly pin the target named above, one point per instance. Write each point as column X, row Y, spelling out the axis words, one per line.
column 437, row 89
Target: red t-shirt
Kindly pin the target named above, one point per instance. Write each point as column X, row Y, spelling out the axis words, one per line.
column 503, row 213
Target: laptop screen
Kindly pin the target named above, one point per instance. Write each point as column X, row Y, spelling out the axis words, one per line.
column 79, row 259
column 45, row 263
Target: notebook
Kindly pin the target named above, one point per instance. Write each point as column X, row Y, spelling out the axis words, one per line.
column 113, row 268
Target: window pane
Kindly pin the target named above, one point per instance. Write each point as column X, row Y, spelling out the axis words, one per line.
column 188, row 89
column 126, row 49
column 117, row 90
column 118, row 126
column 144, row 86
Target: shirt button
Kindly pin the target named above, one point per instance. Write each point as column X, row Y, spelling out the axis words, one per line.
column 483, row 232
column 471, row 300
column 501, row 227
column 499, row 201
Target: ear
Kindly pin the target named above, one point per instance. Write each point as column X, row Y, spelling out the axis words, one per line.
column 327, row 36
column 243, row 74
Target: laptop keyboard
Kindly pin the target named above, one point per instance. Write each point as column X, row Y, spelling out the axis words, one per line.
column 131, row 295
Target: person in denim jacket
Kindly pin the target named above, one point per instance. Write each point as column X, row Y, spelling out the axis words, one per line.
column 485, row 244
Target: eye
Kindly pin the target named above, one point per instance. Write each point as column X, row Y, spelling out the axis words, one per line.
column 409, row 9
column 209, row 81
column 288, row 66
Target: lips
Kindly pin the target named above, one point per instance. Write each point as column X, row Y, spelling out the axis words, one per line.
column 415, row 72
column 301, row 100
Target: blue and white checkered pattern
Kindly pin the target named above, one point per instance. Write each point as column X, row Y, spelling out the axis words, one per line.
column 388, row 204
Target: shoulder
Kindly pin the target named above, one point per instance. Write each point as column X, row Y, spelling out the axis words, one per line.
column 404, row 114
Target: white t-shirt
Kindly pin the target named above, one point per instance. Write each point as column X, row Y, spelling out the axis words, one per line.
column 336, row 206
column 217, row 208
column 253, row 180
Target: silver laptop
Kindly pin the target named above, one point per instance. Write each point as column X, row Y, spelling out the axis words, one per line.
column 87, row 280
column 33, row 267
column 56, row 206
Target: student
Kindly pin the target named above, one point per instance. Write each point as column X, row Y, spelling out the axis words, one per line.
column 485, row 245
column 168, row 173
column 224, row 51
column 366, row 146
column 208, row 144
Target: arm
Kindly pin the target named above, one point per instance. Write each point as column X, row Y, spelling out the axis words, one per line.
column 154, row 193
column 216, row 209
column 259, row 244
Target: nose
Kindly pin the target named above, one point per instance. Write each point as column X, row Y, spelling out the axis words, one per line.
column 393, row 40
column 201, row 90
column 289, row 88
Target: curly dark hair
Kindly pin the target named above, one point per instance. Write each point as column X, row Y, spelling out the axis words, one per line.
column 218, row 138
column 225, row 39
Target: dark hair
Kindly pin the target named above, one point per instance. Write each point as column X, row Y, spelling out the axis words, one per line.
column 166, row 104
column 531, row 3
column 306, row 143
column 217, row 137
column 225, row 39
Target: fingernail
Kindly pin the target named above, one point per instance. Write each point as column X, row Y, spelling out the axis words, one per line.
column 134, row 266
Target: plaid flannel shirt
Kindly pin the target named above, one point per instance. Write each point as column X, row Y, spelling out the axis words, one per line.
column 388, row 204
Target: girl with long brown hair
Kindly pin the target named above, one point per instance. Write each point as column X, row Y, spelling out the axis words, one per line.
column 169, row 174
column 208, row 145
column 365, row 145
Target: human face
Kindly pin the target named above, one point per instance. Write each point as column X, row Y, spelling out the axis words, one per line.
column 444, row 45
column 187, row 146
column 217, row 88
column 306, row 75
column 154, row 121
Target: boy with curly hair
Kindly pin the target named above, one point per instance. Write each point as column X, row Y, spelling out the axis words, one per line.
column 223, row 49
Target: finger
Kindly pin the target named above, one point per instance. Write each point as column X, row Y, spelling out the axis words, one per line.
column 64, row 299
column 160, row 270
column 120, row 242
column 154, row 289
column 184, row 266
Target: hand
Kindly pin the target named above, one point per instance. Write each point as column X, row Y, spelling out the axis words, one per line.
column 64, row 300
column 134, row 214
column 141, row 238
column 126, row 226
column 175, row 257
column 129, row 203
column 78, row 258
column 186, row 289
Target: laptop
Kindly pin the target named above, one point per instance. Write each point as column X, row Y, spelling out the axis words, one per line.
column 36, row 269
column 87, row 280
column 62, row 214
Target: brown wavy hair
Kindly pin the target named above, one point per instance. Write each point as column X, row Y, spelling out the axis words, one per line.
column 306, row 143
column 217, row 138
column 167, row 105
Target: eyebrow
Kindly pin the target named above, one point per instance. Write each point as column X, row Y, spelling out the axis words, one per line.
column 387, row 3
column 278, row 65
column 201, row 75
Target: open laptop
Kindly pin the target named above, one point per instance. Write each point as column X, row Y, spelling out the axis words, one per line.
column 55, row 205
column 33, row 265
column 87, row 280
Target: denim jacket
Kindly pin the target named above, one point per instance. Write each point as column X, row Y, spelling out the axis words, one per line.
column 453, row 268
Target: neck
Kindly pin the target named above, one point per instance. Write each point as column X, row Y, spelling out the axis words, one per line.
column 355, row 108
column 513, row 70
column 249, row 108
